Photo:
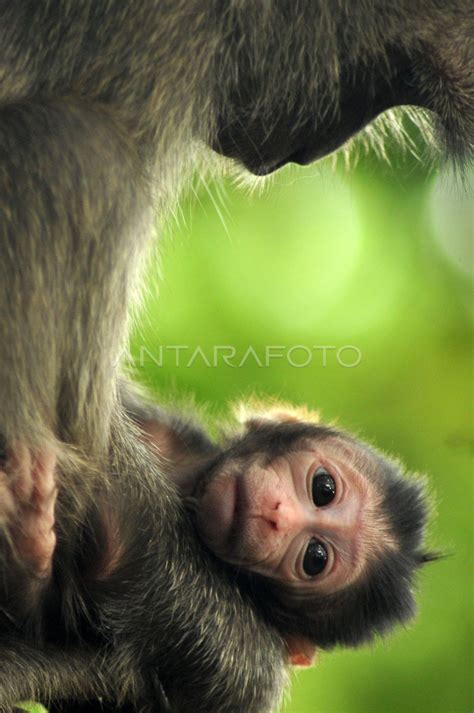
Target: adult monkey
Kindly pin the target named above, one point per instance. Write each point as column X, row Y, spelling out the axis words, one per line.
column 100, row 107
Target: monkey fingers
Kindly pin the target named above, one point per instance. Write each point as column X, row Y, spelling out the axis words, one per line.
column 27, row 500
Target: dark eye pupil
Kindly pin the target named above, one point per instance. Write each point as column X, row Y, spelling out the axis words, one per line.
column 315, row 558
column 323, row 488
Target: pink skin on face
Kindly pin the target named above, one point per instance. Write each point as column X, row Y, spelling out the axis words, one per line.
column 264, row 517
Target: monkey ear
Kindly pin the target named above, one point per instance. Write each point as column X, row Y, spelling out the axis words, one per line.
column 254, row 413
column 301, row 651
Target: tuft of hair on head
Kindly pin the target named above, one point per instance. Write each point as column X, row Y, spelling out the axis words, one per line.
column 254, row 411
column 270, row 428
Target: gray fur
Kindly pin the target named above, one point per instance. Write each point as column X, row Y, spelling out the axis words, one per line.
column 104, row 108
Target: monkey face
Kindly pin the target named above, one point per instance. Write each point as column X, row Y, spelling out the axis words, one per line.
column 264, row 144
column 292, row 95
column 306, row 518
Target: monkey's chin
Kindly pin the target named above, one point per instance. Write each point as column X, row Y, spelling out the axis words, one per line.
column 216, row 512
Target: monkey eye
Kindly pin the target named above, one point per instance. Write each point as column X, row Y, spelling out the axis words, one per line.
column 323, row 487
column 315, row 558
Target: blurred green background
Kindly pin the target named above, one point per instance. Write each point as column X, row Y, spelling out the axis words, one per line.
column 376, row 259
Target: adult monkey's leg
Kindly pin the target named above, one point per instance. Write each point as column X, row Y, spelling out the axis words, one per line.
column 72, row 201
column 70, row 195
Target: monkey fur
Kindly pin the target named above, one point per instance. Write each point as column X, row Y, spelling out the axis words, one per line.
column 105, row 110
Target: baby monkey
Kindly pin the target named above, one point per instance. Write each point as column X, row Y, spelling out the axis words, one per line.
column 325, row 531
column 321, row 530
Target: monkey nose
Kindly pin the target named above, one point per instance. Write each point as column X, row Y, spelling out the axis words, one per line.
column 283, row 517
